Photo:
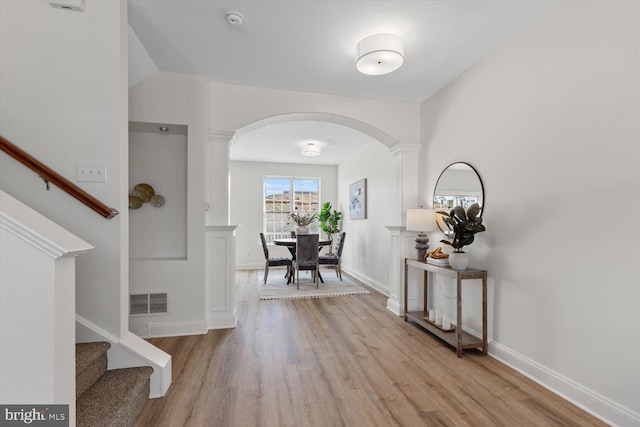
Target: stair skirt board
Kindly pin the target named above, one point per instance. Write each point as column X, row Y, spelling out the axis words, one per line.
column 108, row 398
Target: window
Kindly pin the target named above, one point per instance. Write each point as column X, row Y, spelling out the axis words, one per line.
column 284, row 195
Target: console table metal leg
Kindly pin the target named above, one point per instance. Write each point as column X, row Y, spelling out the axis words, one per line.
column 484, row 313
column 406, row 298
column 425, row 286
column 459, row 315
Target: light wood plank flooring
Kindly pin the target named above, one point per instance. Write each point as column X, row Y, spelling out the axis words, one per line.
column 344, row 361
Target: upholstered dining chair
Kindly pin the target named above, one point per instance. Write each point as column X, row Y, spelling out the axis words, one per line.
column 306, row 256
column 334, row 259
column 273, row 262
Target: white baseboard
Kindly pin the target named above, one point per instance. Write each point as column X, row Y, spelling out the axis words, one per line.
column 222, row 321
column 130, row 351
column 394, row 307
column 597, row 405
column 175, row 329
column 259, row 266
column 380, row 287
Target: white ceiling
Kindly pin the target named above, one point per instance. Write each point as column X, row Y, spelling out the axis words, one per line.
column 310, row 46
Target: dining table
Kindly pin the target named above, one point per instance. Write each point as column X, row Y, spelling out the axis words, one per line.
column 290, row 243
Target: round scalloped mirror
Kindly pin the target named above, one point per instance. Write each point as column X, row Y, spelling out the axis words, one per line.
column 458, row 185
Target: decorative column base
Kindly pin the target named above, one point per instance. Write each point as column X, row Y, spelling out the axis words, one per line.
column 221, row 276
column 401, row 242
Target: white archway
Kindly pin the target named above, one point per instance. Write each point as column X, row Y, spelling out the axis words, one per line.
column 218, row 189
column 349, row 122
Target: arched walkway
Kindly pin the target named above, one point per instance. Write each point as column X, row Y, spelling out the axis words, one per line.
column 358, row 125
column 405, row 165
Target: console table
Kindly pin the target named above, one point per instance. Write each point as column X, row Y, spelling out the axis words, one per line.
column 459, row 339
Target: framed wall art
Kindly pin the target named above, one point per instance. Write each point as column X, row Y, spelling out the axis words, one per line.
column 358, row 199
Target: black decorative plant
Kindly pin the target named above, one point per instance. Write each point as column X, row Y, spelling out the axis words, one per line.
column 463, row 225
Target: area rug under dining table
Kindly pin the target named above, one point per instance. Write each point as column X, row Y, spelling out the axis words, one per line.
column 277, row 288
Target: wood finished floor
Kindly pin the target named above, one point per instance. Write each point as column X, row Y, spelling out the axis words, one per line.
column 343, row 361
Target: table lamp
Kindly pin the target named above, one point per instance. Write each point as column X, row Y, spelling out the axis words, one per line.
column 421, row 220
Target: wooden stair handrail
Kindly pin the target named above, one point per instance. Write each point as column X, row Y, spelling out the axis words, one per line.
column 50, row 176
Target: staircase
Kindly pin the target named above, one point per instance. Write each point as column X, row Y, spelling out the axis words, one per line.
column 107, row 398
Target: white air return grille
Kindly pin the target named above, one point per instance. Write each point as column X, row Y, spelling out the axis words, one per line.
column 142, row 304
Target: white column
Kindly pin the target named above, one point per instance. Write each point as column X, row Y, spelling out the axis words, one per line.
column 401, row 242
column 406, row 178
column 221, row 276
column 217, row 176
column 401, row 247
column 220, row 237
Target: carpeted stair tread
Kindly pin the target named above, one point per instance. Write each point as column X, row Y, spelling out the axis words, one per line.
column 91, row 364
column 116, row 399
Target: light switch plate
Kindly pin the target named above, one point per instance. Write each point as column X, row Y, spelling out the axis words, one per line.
column 91, row 172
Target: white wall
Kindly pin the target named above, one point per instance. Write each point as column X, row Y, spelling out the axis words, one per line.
column 551, row 122
column 247, row 180
column 366, row 250
column 232, row 107
column 159, row 160
column 171, row 98
column 62, row 76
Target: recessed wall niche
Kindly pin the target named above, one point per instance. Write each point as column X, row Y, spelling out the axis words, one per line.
column 158, row 157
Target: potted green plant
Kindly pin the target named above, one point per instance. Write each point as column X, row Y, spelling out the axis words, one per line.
column 303, row 221
column 329, row 221
column 463, row 226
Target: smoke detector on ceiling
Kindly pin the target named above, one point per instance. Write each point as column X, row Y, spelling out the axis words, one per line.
column 234, row 19
column 77, row 5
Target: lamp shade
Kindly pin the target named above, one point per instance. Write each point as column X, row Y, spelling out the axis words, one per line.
column 421, row 220
column 379, row 54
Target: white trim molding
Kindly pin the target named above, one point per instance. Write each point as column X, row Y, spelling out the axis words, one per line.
column 216, row 176
column 39, row 231
column 130, row 351
column 380, row 287
column 176, row 329
column 220, row 309
column 400, row 248
column 597, row 405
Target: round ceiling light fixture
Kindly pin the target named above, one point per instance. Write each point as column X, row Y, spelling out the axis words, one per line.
column 310, row 149
column 379, row 54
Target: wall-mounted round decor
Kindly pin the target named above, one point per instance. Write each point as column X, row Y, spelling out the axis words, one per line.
column 157, row 200
column 134, row 202
column 144, row 192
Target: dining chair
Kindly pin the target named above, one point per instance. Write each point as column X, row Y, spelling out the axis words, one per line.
column 334, row 259
column 307, row 256
column 273, row 262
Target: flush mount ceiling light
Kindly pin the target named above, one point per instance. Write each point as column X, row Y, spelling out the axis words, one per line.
column 310, row 149
column 379, row 54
